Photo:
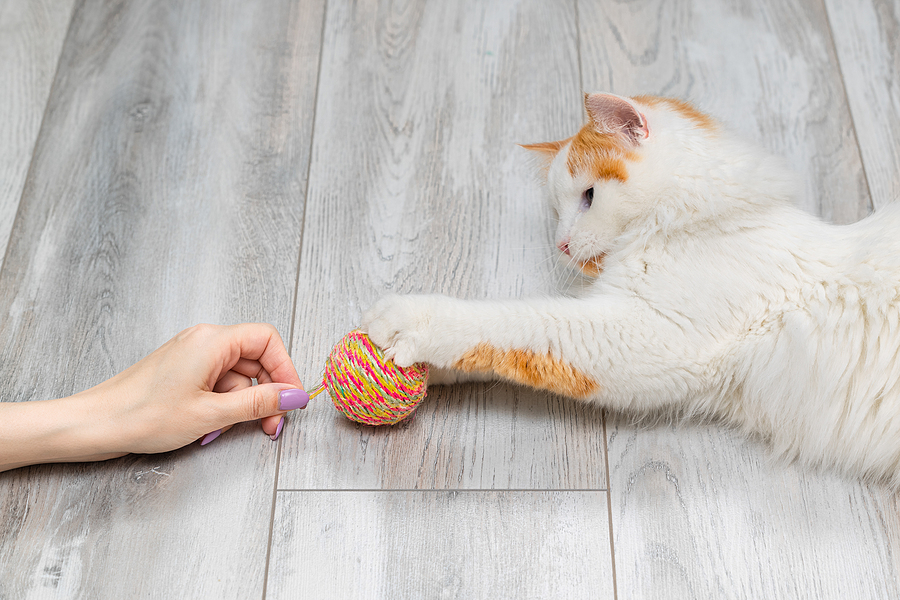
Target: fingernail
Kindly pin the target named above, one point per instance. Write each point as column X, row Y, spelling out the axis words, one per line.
column 277, row 431
column 291, row 399
column 210, row 437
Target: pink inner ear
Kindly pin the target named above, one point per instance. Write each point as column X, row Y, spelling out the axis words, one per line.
column 616, row 115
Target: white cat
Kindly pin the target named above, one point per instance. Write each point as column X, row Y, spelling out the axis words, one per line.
column 714, row 295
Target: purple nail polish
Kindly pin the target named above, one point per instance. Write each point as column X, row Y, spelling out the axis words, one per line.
column 277, row 431
column 210, row 437
column 291, row 399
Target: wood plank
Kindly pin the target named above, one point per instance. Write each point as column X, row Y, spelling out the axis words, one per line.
column 766, row 69
column 698, row 512
column 886, row 516
column 464, row 544
column 167, row 189
column 31, row 37
column 867, row 44
column 416, row 185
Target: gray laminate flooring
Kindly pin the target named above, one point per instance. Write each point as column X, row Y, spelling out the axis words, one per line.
column 167, row 163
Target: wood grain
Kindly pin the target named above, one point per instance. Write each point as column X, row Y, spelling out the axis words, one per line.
column 466, row 545
column 698, row 512
column 866, row 38
column 766, row 69
column 166, row 189
column 31, row 37
column 865, row 35
column 417, row 185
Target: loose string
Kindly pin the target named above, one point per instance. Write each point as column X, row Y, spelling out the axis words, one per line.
column 317, row 390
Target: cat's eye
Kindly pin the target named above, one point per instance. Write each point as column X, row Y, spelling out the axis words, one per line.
column 587, row 198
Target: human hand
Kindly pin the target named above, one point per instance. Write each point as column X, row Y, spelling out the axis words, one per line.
column 193, row 386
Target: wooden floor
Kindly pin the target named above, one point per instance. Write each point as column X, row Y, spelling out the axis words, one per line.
column 167, row 163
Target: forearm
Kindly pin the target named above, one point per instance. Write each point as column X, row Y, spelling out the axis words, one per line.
column 48, row 431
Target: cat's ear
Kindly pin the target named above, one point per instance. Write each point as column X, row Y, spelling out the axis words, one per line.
column 616, row 115
column 545, row 152
column 548, row 149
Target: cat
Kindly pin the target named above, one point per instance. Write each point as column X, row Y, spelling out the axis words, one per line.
column 714, row 296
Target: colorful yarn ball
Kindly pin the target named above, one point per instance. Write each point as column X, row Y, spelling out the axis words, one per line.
column 367, row 387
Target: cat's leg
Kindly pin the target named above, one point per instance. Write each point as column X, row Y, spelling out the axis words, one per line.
column 601, row 348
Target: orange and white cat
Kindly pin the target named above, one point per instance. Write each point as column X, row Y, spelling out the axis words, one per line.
column 713, row 295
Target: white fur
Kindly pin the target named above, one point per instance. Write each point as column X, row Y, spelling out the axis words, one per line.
column 717, row 298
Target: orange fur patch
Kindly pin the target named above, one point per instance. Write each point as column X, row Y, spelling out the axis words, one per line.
column 604, row 156
column 681, row 107
column 540, row 371
column 592, row 266
column 599, row 155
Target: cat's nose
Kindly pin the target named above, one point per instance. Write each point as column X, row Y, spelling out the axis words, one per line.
column 564, row 246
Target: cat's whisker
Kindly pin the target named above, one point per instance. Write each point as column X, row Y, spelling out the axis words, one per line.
column 544, row 247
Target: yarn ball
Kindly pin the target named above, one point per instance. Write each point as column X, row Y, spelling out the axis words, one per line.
column 367, row 387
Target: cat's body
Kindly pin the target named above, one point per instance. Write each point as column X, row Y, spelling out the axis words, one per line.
column 714, row 295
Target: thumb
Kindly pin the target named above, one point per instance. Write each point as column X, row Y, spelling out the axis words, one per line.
column 263, row 400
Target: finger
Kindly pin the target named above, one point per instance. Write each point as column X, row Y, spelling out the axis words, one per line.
column 262, row 343
column 273, row 425
column 231, row 381
column 258, row 402
column 213, row 435
column 252, row 368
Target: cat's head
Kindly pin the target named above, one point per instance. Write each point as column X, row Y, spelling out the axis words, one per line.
column 638, row 163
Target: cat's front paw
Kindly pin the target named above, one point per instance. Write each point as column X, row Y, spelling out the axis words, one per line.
column 400, row 326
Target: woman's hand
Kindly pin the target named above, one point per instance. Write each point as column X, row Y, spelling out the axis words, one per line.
column 194, row 386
